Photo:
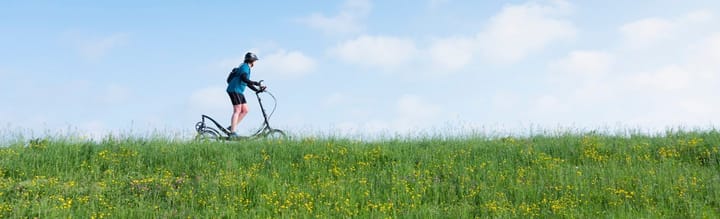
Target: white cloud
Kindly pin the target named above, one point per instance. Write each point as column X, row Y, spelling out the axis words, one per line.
column 647, row 31
column 673, row 113
column 590, row 64
column 698, row 16
column 519, row 30
column 653, row 31
column 674, row 95
column 649, row 99
column 655, row 95
column 412, row 107
column 410, row 115
column 592, row 92
column 286, row 64
column 280, row 64
column 376, row 51
column 414, row 114
column 348, row 20
column 452, row 53
column 549, row 104
column 510, row 36
column 210, row 100
column 503, row 101
column 666, row 79
column 695, row 106
column 706, row 59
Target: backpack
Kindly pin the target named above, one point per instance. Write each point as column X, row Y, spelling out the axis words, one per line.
column 232, row 74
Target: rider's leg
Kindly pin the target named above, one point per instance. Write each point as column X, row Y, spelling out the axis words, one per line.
column 239, row 112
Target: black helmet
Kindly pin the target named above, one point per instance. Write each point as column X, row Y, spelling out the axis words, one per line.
column 249, row 57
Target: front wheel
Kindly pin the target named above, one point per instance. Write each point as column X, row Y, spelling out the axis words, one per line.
column 275, row 134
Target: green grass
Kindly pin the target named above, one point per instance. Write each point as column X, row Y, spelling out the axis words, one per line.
column 676, row 175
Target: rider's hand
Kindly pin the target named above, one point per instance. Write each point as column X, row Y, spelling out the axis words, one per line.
column 262, row 88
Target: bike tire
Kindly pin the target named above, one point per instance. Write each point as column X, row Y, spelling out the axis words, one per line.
column 275, row 134
column 207, row 134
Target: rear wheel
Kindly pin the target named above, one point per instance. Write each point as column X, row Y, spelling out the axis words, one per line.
column 206, row 134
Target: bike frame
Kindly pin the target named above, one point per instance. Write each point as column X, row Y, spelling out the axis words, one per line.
column 202, row 128
column 266, row 123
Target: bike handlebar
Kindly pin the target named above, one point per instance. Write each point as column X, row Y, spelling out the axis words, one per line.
column 261, row 87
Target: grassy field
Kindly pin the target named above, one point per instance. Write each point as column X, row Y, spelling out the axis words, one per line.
column 675, row 175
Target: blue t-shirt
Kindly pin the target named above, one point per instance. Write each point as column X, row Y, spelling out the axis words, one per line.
column 236, row 84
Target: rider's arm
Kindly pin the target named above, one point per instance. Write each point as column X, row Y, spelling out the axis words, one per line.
column 251, row 84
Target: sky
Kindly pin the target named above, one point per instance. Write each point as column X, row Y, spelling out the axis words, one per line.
column 360, row 67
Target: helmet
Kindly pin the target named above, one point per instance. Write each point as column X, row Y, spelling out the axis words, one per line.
column 249, row 57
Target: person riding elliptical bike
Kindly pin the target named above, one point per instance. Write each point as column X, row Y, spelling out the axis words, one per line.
column 238, row 79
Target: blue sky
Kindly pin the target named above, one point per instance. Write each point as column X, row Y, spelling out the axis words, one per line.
column 361, row 67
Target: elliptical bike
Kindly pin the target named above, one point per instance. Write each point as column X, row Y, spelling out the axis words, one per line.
column 205, row 131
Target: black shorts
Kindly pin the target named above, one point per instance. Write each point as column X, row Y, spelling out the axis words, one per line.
column 237, row 98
